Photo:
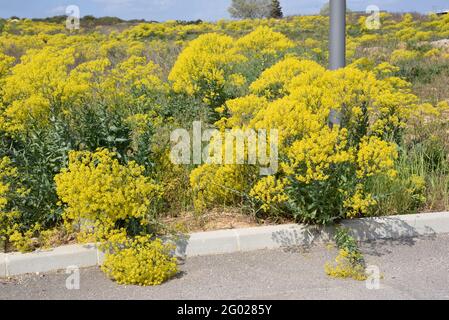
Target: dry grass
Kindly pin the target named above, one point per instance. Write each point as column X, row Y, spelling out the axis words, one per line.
column 435, row 91
column 217, row 219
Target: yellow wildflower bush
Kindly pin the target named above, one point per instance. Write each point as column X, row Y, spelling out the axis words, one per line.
column 17, row 45
column 403, row 56
column 6, row 63
column 23, row 241
column 385, row 69
column 312, row 43
column 359, row 203
column 215, row 67
column 325, row 170
column 7, row 171
column 132, row 81
column 316, row 153
column 29, row 27
column 432, row 53
column 84, row 82
column 13, row 228
column 134, row 74
column 141, row 261
column 263, row 42
column 33, row 87
column 102, row 197
column 242, row 110
column 270, row 191
column 218, row 184
column 274, row 82
column 96, row 187
column 376, row 156
column 125, row 88
column 204, row 67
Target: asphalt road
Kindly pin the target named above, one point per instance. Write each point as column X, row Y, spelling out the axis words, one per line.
column 411, row 269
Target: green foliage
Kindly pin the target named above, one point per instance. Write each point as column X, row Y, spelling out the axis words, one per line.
column 249, row 9
column 422, row 183
column 276, row 10
column 325, row 9
column 423, row 71
column 38, row 157
column 2, row 24
column 345, row 241
column 321, row 202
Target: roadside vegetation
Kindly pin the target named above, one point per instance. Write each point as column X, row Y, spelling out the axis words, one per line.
column 86, row 117
column 349, row 262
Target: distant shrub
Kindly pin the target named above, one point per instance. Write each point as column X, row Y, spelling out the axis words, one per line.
column 402, row 55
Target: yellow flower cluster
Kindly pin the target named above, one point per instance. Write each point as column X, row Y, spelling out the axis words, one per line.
column 23, row 240
column 359, row 203
column 7, row 171
column 142, row 261
column 275, row 81
column 263, row 41
column 376, row 156
column 345, row 268
column 269, row 191
column 10, row 229
column 208, row 66
column 54, row 78
column 242, row 110
column 33, row 86
column 315, row 154
column 254, row 74
column 5, row 64
column 371, row 110
column 403, row 55
column 205, row 65
column 96, row 187
column 218, row 184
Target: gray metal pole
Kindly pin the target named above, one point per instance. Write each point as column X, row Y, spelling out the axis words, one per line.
column 337, row 35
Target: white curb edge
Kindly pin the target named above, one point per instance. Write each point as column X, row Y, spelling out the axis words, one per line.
column 236, row 240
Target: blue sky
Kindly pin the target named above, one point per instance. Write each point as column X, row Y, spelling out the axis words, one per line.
column 161, row 10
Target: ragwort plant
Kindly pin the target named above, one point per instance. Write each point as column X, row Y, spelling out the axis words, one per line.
column 141, row 261
column 111, row 204
column 350, row 262
column 97, row 189
column 324, row 171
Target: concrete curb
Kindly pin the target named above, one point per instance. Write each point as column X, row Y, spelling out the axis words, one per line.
column 237, row 240
column 2, row 265
column 57, row 259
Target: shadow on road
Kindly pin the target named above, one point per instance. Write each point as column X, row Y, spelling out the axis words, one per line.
column 371, row 231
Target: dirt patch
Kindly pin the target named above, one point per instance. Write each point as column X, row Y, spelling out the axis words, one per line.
column 218, row 219
column 441, row 44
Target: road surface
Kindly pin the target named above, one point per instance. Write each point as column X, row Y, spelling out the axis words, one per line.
column 411, row 269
